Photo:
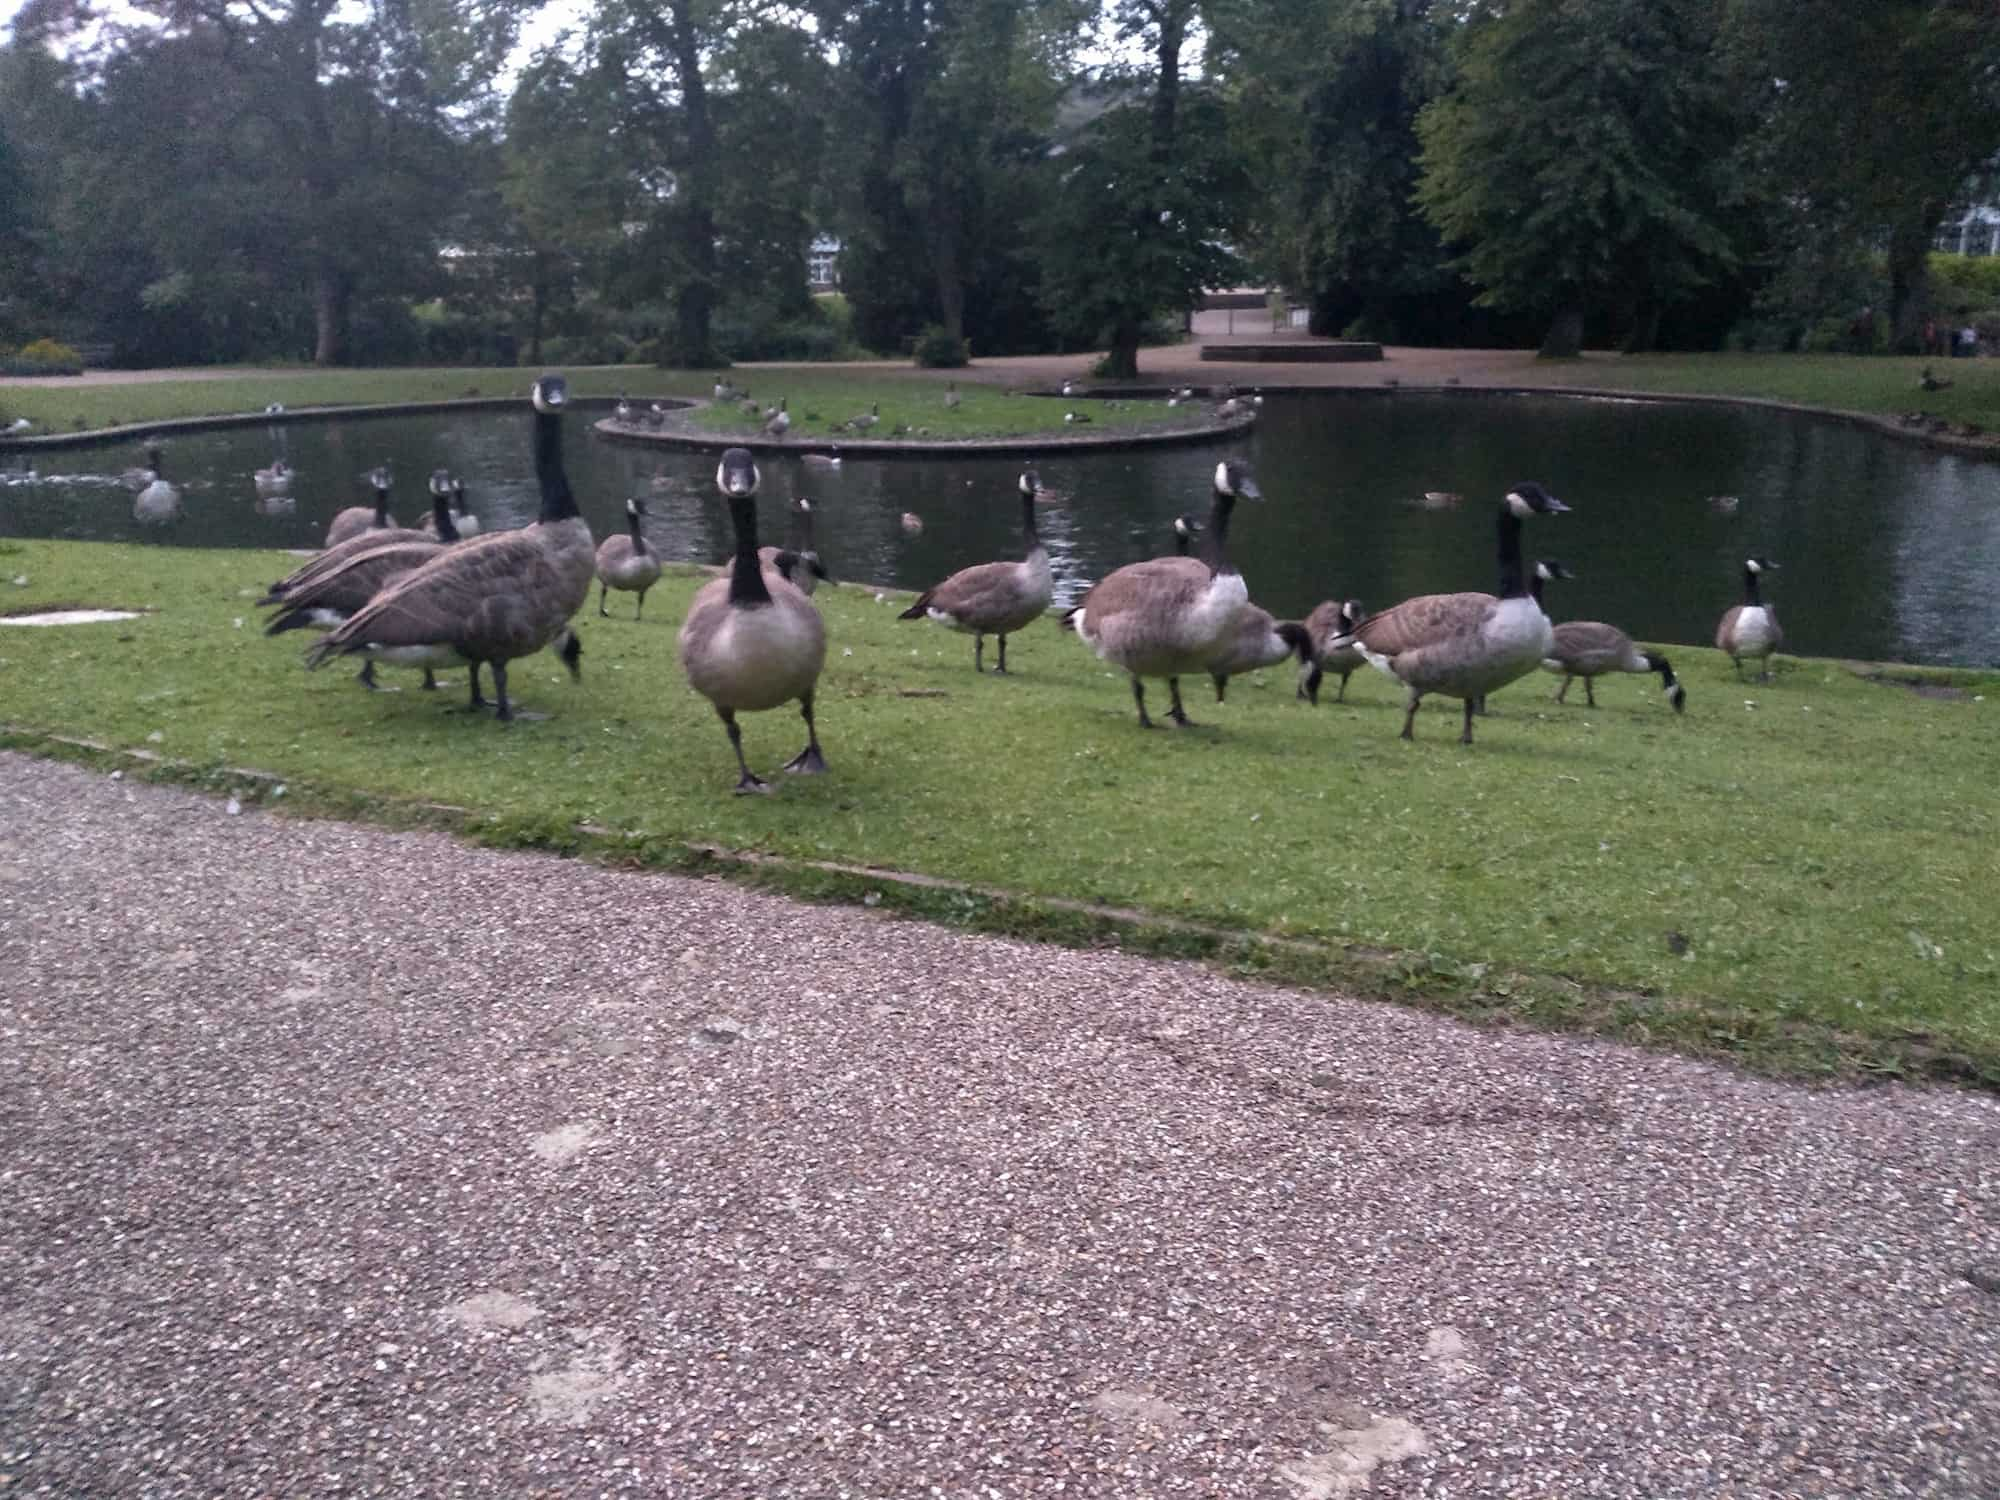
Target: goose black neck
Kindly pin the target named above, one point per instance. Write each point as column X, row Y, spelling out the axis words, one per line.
column 558, row 504
column 1535, row 587
column 441, row 517
column 638, row 537
column 746, row 578
column 1512, row 582
column 1213, row 539
column 382, row 508
column 1029, row 536
column 1751, row 594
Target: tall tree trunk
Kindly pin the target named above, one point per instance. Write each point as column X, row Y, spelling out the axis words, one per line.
column 1564, row 340
column 1644, row 334
column 694, row 346
column 538, row 310
column 330, row 307
column 950, row 281
column 1121, row 361
column 1910, row 278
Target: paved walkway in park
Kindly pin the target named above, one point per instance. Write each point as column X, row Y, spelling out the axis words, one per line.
column 337, row 1161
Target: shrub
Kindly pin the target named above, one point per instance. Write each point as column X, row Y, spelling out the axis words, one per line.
column 42, row 357
column 938, row 350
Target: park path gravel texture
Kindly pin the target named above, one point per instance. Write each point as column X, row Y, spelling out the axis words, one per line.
column 343, row 1162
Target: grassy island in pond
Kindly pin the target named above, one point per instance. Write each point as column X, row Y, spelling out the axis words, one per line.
column 1794, row 874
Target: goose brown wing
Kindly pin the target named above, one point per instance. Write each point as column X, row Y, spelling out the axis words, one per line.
column 1423, row 621
column 1159, row 582
column 978, row 592
column 336, row 556
column 359, row 577
column 450, row 595
column 1576, row 639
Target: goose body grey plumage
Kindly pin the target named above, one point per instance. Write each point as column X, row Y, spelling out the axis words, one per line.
column 496, row 597
column 1751, row 628
column 1465, row 645
column 996, row 598
column 273, row 483
column 1591, row 648
column 1258, row 641
column 626, row 563
column 158, row 500
column 752, row 641
column 356, row 519
column 1169, row 616
column 1333, row 620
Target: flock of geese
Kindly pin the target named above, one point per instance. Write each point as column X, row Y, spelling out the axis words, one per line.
column 753, row 639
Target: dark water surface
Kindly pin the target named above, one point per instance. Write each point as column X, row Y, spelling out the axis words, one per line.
column 1889, row 551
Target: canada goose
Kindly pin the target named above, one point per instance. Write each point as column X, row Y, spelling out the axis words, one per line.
column 725, row 389
column 337, row 593
column 951, row 395
column 912, row 523
column 1441, row 500
column 780, row 421
column 751, row 641
column 626, row 563
column 1329, row 621
column 1725, row 505
column 356, row 519
column 1465, row 645
column 160, row 500
column 656, row 415
column 827, row 460
column 1258, row 641
column 1170, row 615
column 868, row 418
column 808, row 573
column 274, row 409
column 995, row 598
column 496, row 597
column 1750, row 628
column 1186, row 529
column 139, row 476
column 1071, row 388
column 1075, row 417
column 1929, row 382
column 1590, row 648
column 1231, row 407
column 462, row 515
column 274, row 482
column 439, row 486
column 622, row 412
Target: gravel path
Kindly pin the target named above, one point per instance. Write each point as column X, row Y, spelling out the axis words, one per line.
column 343, row 1162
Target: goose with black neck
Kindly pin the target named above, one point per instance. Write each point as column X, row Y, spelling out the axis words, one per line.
column 995, row 598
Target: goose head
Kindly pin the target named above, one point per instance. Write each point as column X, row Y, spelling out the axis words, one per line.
column 457, row 493
column 380, row 479
column 440, row 484
column 1186, row 529
column 736, row 476
column 1234, row 479
column 1548, row 570
column 274, row 409
column 153, row 456
column 1529, row 499
column 1030, row 483
column 635, row 508
column 1352, row 615
column 1759, row 565
column 551, row 393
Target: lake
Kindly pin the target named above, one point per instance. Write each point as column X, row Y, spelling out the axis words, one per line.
column 1889, row 550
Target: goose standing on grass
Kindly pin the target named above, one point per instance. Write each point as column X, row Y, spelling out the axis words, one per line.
column 1258, row 641
column 336, row 593
column 159, row 501
column 807, row 572
column 868, row 418
column 626, row 563
column 1465, row 645
column 996, row 598
column 1590, row 648
column 1335, row 619
column 496, row 597
column 751, row 641
column 1169, row 616
column 780, row 420
column 951, row 397
column 356, row 519
column 1751, row 628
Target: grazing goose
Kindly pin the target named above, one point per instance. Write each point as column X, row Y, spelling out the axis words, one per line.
column 751, row 641
column 808, row 571
column 1334, row 619
column 1465, row 645
column 1751, row 628
column 995, row 598
column 495, row 597
column 626, row 563
column 462, row 518
column 1258, row 641
column 159, row 501
column 780, row 421
column 867, row 419
column 356, row 519
column 1170, row 615
column 1590, row 648
column 274, row 483
column 1074, row 417
column 951, row 397
column 337, row 593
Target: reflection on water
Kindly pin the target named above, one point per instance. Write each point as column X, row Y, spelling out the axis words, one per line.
column 1889, row 550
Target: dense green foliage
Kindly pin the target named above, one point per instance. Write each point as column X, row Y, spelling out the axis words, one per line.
column 1785, row 883
column 222, row 180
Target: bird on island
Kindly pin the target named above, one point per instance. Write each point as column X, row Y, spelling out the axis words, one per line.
column 779, row 422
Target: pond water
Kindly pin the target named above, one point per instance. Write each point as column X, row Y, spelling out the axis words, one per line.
column 1889, row 550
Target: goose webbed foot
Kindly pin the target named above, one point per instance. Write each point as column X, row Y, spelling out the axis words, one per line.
column 809, row 761
column 1589, row 694
column 1410, row 717
column 979, row 653
column 1221, row 685
column 746, row 783
column 1139, row 697
column 366, row 676
column 640, row 613
column 505, row 712
column 1465, row 738
column 1309, row 687
column 1562, row 693
column 1176, row 712
column 1003, row 657
column 430, row 681
column 1341, row 696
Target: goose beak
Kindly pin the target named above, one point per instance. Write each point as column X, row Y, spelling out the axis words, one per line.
column 1247, row 488
column 1553, row 506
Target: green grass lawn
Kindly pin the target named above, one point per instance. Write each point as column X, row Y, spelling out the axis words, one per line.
column 1879, row 385
column 1795, row 874
column 821, row 401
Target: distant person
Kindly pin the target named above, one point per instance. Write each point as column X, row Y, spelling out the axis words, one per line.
column 1930, row 337
column 1968, row 342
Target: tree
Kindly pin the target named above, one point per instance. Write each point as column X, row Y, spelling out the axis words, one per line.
column 1147, row 197
column 1326, row 95
column 1580, row 157
column 1870, row 133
